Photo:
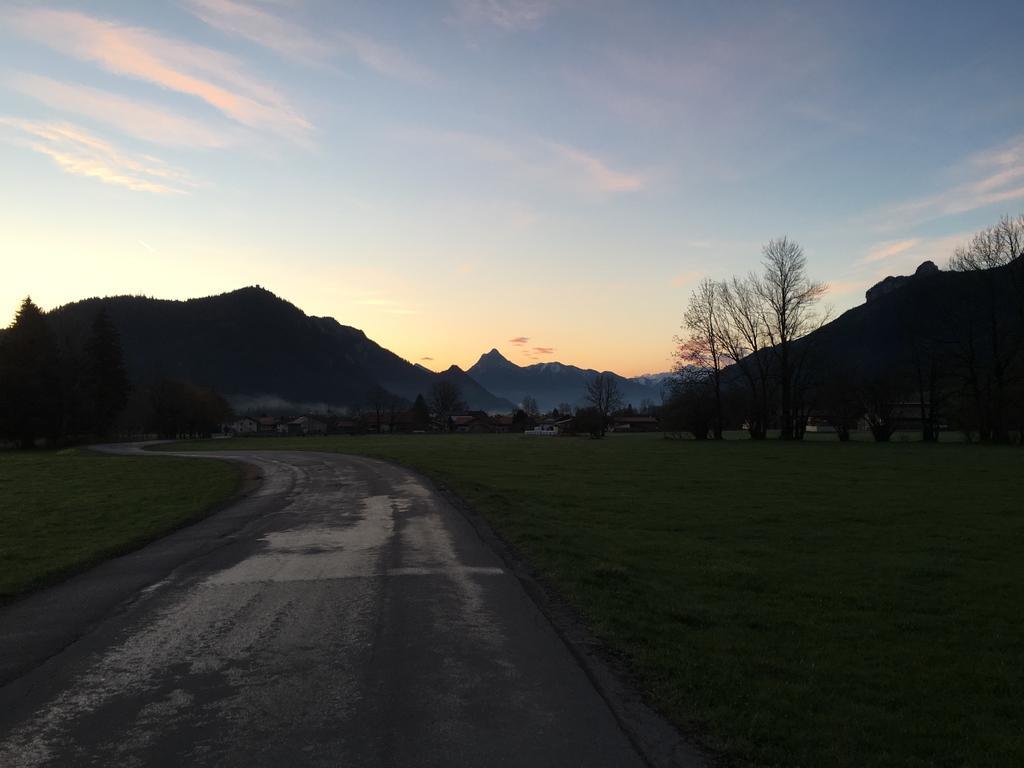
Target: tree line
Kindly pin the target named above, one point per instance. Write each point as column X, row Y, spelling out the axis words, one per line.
column 384, row 408
column 445, row 400
column 50, row 390
column 63, row 390
column 950, row 353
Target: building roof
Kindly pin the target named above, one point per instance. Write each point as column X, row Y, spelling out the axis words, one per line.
column 307, row 419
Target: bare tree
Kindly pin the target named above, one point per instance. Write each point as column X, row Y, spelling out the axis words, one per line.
column 703, row 345
column 445, row 400
column 743, row 337
column 603, row 394
column 878, row 395
column 989, row 337
column 993, row 247
column 788, row 299
column 529, row 406
column 377, row 399
column 926, row 366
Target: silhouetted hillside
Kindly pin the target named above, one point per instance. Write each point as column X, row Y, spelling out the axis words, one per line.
column 931, row 305
column 934, row 313
column 550, row 383
column 258, row 350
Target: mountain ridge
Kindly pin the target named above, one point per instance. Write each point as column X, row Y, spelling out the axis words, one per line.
column 250, row 344
column 551, row 383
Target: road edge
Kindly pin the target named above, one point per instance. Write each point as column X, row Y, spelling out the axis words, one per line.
column 660, row 743
column 247, row 482
column 52, row 642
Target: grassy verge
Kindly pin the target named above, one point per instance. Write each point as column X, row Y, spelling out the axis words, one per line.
column 60, row 512
column 793, row 604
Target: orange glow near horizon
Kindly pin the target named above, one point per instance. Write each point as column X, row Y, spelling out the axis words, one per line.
column 551, row 183
column 413, row 322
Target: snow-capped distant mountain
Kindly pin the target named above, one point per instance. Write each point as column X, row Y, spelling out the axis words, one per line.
column 652, row 379
column 551, row 384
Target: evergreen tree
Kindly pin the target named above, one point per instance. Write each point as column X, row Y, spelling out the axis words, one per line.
column 75, row 406
column 420, row 414
column 106, row 380
column 30, row 387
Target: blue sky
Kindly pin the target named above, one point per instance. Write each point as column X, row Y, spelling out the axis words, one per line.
column 454, row 176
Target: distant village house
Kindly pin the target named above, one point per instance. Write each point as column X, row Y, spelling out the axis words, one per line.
column 631, row 423
column 307, row 425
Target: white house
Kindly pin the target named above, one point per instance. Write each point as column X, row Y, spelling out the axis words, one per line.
column 542, row 430
column 244, row 426
column 551, row 428
column 307, row 425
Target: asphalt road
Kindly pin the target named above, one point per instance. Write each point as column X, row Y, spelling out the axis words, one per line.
column 344, row 614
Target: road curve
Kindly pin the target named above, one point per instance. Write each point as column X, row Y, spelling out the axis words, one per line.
column 342, row 614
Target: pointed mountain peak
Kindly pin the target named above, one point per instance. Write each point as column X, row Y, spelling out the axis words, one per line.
column 493, row 359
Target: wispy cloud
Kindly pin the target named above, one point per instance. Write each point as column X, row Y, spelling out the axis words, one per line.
column 387, row 59
column 904, row 260
column 148, row 122
column 838, row 288
column 536, row 353
column 78, row 152
column 293, row 41
column 216, row 78
column 888, row 249
column 894, row 257
column 519, row 340
column 506, row 14
column 763, row 54
column 599, row 175
column 282, row 36
column 986, row 178
column 549, row 163
column 427, row 358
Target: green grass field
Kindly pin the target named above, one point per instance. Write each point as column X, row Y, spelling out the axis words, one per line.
column 63, row 511
column 788, row 604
